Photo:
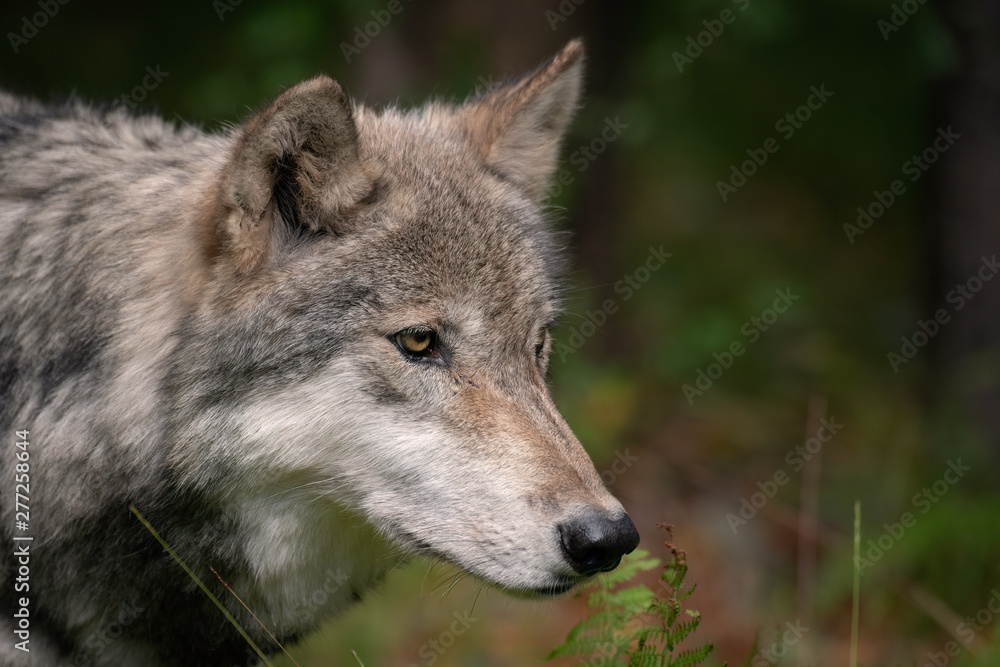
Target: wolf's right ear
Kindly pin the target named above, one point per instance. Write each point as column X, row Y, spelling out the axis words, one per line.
column 517, row 127
column 294, row 167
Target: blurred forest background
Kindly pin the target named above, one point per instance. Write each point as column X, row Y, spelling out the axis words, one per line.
column 890, row 324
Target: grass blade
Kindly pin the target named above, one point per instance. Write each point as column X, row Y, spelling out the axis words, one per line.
column 201, row 585
column 857, row 584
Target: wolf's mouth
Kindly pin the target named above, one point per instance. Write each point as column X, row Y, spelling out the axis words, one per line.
column 562, row 582
column 558, row 589
column 563, row 585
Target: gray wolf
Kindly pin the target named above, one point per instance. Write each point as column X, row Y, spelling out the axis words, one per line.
column 305, row 349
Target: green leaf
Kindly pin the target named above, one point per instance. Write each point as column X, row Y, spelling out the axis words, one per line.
column 692, row 657
column 681, row 631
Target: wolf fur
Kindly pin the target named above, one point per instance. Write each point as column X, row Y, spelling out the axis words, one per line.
column 207, row 327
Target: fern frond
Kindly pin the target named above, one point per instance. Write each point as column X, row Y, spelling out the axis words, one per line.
column 688, row 593
column 646, row 634
column 682, row 630
column 693, row 657
column 609, row 636
column 573, row 647
column 638, row 561
column 648, row 659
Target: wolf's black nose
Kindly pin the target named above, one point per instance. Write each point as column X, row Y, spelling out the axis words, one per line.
column 594, row 543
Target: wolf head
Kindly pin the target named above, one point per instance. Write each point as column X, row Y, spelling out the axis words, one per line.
column 376, row 322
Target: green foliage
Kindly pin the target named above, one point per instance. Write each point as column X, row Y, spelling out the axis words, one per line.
column 633, row 626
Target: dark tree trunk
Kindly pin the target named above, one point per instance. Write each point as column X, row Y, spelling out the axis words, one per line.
column 968, row 215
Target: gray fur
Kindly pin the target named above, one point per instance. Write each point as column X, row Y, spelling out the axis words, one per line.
column 202, row 326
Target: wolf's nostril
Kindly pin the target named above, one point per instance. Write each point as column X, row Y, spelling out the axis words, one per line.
column 595, row 543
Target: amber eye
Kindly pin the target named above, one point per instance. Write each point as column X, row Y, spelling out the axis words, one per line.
column 540, row 343
column 417, row 342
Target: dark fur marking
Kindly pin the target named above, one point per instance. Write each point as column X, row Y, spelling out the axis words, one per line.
column 264, row 349
column 8, row 374
column 375, row 194
column 287, row 192
column 381, row 388
column 497, row 173
column 70, row 360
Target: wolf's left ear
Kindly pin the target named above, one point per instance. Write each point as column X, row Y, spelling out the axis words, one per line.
column 517, row 128
column 294, row 167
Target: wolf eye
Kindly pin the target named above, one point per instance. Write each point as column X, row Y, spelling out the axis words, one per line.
column 417, row 342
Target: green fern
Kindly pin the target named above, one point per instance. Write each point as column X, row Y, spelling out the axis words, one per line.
column 635, row 627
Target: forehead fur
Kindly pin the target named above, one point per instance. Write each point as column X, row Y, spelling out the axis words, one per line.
column 447, row 223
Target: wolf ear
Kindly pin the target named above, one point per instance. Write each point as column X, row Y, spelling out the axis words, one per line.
column 294, row 167
column 517, row 127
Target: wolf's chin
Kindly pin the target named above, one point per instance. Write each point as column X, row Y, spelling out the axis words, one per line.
column 559, row 585
column 552, row 590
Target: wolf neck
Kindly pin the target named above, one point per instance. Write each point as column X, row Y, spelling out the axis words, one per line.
column 308, row 559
